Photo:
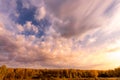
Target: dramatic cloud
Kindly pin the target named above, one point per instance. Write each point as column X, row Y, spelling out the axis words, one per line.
column 78, row 17
column 60, row 33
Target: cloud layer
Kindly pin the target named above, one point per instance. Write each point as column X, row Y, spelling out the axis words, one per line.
column 60, row 34
column 78, row 17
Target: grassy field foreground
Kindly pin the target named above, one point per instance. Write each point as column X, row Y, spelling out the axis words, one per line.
column 85, row 79
column 57, row 74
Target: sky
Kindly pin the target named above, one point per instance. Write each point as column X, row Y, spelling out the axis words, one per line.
column 74, row 34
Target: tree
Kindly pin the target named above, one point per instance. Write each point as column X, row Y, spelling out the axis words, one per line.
column 19, row 74
column 117, row 72
column 94, row 73
column 3, row 71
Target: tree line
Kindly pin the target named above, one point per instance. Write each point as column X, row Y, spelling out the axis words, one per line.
column 30, row 74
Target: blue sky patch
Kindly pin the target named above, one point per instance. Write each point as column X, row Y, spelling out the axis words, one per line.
column 27, row 14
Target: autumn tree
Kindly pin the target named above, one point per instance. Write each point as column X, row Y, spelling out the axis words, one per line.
column 10, row 75
column 3, row 71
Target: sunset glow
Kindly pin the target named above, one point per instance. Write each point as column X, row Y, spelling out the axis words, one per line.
column 80, row 34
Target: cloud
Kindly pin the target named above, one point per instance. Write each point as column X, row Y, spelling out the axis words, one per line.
column 77, row 36
column 6, row 44
column 30, row 27
column 40, row 13
column 10, row 8
column 77, row 17
column 31, row 3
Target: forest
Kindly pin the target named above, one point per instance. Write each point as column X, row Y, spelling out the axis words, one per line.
column 55, row 74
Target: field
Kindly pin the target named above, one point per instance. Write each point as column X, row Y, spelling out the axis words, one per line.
column 70, row 79
column 79, row 79
column 57, row 74
column 85, row 79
